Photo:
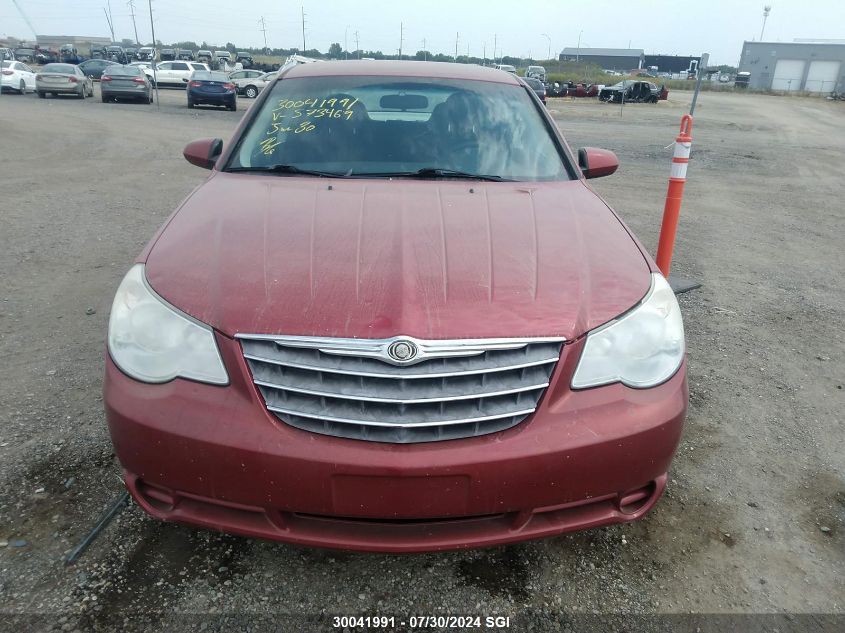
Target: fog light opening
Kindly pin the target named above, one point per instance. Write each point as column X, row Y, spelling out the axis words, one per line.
column 633, row 501
column 159, row 498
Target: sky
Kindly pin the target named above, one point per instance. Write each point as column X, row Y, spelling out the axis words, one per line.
column 520, row 29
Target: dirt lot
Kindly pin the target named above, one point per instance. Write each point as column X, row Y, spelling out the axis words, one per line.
column 754, row 519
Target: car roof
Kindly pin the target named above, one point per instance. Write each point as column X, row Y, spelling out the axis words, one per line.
column 434, row 70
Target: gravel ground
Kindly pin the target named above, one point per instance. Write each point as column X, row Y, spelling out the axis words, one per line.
column 754, row 518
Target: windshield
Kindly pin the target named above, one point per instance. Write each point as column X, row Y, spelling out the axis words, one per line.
column 132, row 71
column 64, row 69
column 393, row 126
column 204, row 75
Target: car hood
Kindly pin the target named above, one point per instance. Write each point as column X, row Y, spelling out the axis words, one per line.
column 378, row 258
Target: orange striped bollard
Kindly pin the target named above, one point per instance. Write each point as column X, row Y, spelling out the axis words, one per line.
column 674, row 196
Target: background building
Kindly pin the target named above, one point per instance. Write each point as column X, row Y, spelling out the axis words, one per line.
column 607, row 58
column 82, row 43
column 672, row 63
column 794, row 66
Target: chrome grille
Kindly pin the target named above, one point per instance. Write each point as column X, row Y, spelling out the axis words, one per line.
column 352, row 388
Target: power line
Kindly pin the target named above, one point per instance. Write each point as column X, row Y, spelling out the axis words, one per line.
column 111, row 20
column 108, row 19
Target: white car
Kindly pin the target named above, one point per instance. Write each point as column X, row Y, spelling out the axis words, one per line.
column 249, row 82
column 17, row 76
column 174, row 73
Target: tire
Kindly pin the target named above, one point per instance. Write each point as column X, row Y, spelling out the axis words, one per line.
column 83, row 94
column 151, row 99
column 41, row 94
column 22, row 88
column 190, row 104
column 250, row 92
column 233, row 107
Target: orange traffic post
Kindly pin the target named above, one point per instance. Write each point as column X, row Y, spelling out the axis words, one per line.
column 674, row 196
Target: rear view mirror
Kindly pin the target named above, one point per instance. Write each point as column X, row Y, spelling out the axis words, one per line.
column 403, row 102
column 203, row 152
column 595, row 162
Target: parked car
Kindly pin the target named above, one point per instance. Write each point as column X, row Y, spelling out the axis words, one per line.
column 26, row 55
column 537, row 86
column 167, row 54
column 212, row 88
column 537, row 72
column 245, row 59
column 146, row 54
column 185, row 55
column 69, row 55
column 222, row 60
column 7, row 54
column 131, row 53
column 205, row 56
column 631, row 91
column 16, row 76
column 116, row 54
column 507, row 68
column 362, row 331
column 94, row 68
column 125, row 82
column 45, row 56
column 56, row 79
column 174, row 74
column 248, row 82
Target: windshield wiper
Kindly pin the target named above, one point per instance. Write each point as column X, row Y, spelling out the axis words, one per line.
column 287, row 169
column 435, row 172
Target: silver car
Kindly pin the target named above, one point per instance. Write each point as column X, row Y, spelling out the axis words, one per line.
column 249, row 82
column 56, row 79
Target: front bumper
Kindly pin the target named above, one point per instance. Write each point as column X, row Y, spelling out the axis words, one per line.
column 214, row 457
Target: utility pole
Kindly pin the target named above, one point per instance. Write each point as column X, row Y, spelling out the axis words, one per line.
column 153, row 64
column 401, row 38
column 263, row 29
column 457, row 37
column 346, row 42
column 550, row 43
column 578, row 54
column 357, row 46
column 494, row 47
column 131, row 4
column 766, row 11
column 484, row 58
column 425, row 51
column 303, row 29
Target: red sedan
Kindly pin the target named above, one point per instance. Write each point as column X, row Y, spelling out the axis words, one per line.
column 397, row 318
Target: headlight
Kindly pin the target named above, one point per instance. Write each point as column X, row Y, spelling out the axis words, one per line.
column 154, row 342
column 642, row 348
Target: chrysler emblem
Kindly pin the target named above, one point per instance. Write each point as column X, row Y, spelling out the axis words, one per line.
column 402, row 350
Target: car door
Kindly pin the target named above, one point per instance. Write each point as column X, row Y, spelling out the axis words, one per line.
column 28, row 76
column 238, row 78
column 181, row 73
column 164, row 73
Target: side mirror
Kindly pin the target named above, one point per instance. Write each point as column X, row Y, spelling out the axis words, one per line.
column 203, row 152
column 595, row 162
